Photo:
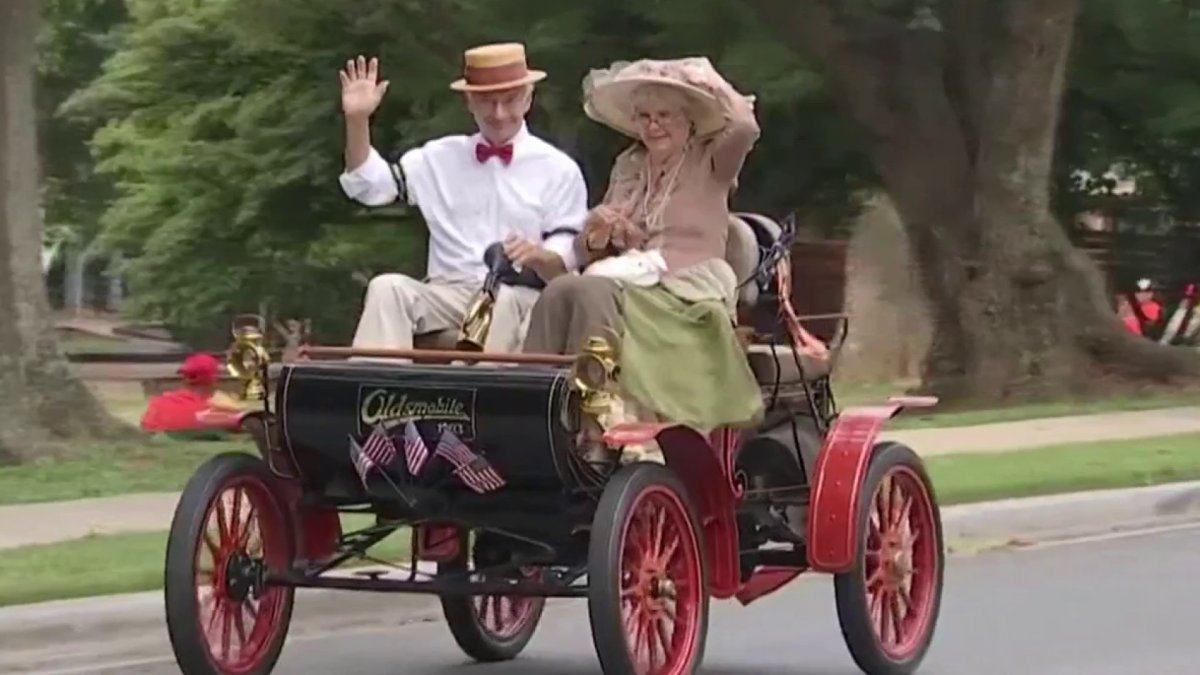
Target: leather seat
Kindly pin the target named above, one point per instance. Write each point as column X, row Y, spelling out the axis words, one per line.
column 770, row 363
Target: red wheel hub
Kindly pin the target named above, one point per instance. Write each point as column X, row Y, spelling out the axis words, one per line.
column 661, row 585
column 901, row 562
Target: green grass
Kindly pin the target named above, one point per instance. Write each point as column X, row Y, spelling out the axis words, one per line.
column 1057, row 469
column 133, row 562
column 916, row 419
column 157, row 464
column 117, row 563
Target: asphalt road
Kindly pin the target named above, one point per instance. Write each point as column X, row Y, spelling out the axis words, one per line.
column 1128, row 605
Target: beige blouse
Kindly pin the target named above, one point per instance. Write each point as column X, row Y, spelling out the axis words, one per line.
column 695, row 219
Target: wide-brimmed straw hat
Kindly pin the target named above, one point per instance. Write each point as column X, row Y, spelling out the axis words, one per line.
column 608, row 93
column 496, row 67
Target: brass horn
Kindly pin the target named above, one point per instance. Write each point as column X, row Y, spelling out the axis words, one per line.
column 477, row 321
column 248, row 358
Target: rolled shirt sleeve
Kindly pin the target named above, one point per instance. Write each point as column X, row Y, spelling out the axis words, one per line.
column 567, row 210
column 372, row 183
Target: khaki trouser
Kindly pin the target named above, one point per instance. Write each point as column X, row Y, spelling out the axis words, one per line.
column 397, row 307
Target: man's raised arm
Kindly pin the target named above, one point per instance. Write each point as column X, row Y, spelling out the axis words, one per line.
column 367, row 177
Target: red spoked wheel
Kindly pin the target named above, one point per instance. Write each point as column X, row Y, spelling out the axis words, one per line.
column 647, row 589
column 492, row 628
column 230, row 527
column 888, row 604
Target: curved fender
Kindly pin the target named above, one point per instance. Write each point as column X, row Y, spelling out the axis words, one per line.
column 837, row 482
column 704, row 466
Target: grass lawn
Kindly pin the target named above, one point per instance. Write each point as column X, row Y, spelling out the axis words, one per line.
column 117, row 563
column 133, row 562
column 157, row 464
column 929, row 419
column 858, row 394
column 961, row 479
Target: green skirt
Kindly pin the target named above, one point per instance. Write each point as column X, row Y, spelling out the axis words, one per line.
column 682, row 361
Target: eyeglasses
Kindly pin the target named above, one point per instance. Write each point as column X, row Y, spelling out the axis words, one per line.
column 662, row 118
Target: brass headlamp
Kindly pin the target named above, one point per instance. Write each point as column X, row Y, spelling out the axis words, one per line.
column 593, row 371
column 248, row 358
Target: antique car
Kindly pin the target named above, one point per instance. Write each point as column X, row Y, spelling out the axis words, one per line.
column 474, row 455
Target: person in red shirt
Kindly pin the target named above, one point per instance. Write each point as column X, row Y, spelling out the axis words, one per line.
column 197, row 405
column 1151, row 309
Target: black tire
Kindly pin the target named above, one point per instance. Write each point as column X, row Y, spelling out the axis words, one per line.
column 483, row 643
column 876, row 649
column 191, row 540
column 629, row 494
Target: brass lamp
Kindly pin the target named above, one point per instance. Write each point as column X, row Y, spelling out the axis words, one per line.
column 248, row 358
column 592, row 373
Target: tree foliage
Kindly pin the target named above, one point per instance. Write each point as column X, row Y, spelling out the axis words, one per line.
column 218, row 125
column 215, row 125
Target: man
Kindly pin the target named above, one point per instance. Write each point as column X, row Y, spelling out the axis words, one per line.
column 499, row 184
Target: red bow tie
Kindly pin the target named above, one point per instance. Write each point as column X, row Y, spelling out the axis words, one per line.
column 484, row 152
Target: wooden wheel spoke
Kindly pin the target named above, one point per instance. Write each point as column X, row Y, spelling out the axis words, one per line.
column 226, row 630
column 669, row 554
column 903, row 513
column 243, row 540
column 235, row 519
column 898, row 617
column 886, row 619
column 222, row 522
column 660, row 526
column 239, row 623
column 664, row 638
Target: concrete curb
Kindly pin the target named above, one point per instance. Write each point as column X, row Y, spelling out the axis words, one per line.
column 48, row 634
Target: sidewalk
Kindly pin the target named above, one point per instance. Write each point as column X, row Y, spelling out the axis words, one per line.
column 28, row 524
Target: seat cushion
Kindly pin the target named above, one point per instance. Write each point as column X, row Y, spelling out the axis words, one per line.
column 777, row 363
column 742, row 254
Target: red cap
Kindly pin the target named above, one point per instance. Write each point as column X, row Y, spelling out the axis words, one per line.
column 200, row 369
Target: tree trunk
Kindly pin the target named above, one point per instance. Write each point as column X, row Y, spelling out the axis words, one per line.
column 960, row 120
column 40, row 401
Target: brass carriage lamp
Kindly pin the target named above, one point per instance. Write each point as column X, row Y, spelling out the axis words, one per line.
column 248, row 357
column 593, row 371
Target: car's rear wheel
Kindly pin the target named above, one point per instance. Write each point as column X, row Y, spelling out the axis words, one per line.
column 647, row 591
column 491, row 628
column 229, row 528
column 888, row 603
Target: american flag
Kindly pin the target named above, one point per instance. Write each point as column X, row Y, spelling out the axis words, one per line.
column 362, row 463
column 415, row 452
column 379, row 446
column 376, row 452
column 471, row 468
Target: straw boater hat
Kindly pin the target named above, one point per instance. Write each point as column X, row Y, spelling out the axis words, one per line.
column 608, row 93
column 496, row 67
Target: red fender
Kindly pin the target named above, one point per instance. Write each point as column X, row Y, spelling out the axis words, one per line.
column 706, row 469
column 837, row 482
column 318, row 529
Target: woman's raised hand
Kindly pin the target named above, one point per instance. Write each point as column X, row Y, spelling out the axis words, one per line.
column 361, row 92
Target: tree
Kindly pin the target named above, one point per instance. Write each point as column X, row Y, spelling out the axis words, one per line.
column 218, row 125
column 959, row 102
column 40, row 401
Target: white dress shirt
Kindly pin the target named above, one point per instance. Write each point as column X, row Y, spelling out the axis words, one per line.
column 468, row 204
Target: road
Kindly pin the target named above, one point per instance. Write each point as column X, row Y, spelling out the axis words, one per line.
column 1120, row 605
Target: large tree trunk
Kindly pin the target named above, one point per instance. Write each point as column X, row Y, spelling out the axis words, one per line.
column 960, row 119
column 40, row 402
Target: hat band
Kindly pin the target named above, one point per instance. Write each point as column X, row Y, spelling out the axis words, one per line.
column 509, row 72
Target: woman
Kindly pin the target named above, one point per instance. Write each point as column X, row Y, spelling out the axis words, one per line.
column 657, row 279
